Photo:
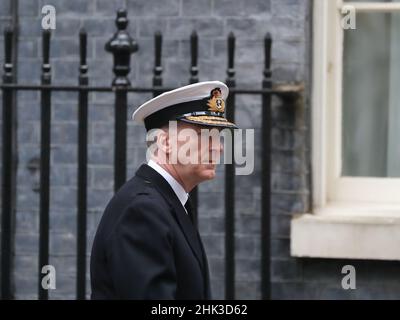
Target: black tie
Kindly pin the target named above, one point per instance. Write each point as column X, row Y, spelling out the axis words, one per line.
column 189, row 209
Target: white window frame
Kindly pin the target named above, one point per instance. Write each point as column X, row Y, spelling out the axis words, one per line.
column 353, row 217
column 330, row 189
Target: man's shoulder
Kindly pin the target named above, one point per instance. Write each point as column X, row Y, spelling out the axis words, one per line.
column 133, row 199
column 136, row 191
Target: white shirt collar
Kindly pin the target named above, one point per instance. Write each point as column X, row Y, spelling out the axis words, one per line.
column 175, row 185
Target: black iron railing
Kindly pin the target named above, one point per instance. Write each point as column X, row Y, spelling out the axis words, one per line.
column 122, row 46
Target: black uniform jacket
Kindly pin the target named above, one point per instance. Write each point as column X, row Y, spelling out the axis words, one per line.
column 146, row 246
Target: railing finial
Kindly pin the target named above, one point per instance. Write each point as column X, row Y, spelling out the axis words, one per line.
column 267, row 57
column 231, row 57
column 121, row 45
column 194, row 70
column 8, row 66
column 158, row 69
column 122, row 19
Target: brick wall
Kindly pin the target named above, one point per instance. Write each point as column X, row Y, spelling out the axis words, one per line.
column 289, row 23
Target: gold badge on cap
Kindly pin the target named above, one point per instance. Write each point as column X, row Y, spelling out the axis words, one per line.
column 216, row 103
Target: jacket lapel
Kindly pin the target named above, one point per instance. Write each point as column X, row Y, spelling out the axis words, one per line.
column 149, row 174
column 206, row 271
column 207, row 289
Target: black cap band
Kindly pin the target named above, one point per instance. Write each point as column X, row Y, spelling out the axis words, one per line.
column 174, row 112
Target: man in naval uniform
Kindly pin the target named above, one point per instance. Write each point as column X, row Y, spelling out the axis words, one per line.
column 146, row 245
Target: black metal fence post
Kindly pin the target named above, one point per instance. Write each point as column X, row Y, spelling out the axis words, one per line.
column 266, row 175
column 44, row 163
column 194, row 77
column 82, row 170
column 121, row 45
column 8, row 153
column 230, row 181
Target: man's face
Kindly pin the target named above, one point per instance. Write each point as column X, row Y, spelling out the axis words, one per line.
column 198, row 151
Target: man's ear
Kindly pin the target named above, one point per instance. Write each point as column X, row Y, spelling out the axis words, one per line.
column 163, row 141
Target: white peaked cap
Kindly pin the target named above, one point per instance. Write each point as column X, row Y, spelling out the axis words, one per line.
column 201, row 103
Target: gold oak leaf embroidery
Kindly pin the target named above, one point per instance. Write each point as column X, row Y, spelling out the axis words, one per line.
column 216, row 103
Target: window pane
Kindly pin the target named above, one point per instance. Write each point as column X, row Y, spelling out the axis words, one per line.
column 371, row 97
